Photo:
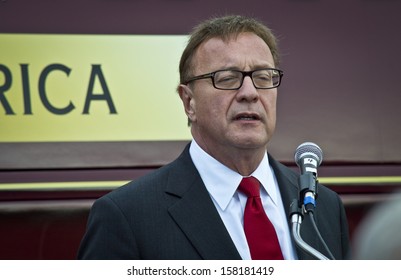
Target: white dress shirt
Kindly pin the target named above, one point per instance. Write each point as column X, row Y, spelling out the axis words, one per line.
column 222, row 183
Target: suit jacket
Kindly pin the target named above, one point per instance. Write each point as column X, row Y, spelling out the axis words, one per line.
column 169, row 214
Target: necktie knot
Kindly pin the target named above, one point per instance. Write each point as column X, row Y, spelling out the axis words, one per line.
column 250, row 186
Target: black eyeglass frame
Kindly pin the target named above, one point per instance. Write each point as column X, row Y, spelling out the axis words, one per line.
column 244, row 74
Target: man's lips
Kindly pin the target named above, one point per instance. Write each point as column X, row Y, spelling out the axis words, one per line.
column 247, row 117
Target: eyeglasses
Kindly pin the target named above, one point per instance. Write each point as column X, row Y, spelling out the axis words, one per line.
column 233, row 79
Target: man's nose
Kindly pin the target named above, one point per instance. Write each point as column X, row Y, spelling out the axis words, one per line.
column 247, row 91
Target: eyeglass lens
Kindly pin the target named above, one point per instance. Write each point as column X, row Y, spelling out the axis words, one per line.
column 232, row 79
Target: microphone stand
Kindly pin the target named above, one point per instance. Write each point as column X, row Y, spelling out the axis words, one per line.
column 308, row 185
column 296, row 220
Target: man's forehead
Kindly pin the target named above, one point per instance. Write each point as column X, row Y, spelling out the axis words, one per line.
column 245, row 44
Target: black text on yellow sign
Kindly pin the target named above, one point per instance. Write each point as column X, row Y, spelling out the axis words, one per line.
column 95, row 74
column 90, row 88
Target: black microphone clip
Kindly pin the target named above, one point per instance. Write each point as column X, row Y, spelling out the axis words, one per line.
column 309, row 191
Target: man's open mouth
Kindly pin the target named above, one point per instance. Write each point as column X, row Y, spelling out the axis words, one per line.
column 247, row 117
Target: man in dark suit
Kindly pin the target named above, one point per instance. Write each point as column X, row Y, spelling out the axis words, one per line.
column 192, row 208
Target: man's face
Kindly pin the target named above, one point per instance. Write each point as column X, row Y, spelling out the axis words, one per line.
column 226, row 119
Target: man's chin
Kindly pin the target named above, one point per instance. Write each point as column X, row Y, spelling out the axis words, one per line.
column 252, row 143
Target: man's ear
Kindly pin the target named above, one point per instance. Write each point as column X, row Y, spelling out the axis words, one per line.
column 188, row 101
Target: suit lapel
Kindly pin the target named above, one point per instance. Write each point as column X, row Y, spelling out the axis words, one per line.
column 195, row 213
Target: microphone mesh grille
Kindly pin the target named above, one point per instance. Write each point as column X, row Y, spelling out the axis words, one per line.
column 308, row 147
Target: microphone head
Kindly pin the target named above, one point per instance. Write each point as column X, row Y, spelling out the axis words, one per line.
column 308, row 149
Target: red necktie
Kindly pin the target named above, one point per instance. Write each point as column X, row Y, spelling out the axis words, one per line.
column 259, row 231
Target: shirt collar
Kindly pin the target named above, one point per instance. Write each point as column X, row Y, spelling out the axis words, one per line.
column 222, row 182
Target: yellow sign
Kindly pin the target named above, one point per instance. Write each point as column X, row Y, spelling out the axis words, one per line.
column 90, row 88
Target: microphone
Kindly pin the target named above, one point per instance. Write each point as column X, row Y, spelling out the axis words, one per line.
column 308, row 156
